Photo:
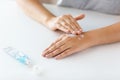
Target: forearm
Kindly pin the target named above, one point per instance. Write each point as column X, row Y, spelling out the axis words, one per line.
column 106, row 35
column 35, row 10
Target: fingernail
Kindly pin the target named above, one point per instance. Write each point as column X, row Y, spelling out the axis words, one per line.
column 78, row 32
column 43, row 54
column 47, row 56
column 74, row 32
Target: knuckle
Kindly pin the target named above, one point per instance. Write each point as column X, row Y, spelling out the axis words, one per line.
column 51, row 49
column 59, row 49
column 55, row 46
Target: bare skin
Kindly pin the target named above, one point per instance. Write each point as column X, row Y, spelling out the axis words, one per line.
column 65, row 23
column 67, row 45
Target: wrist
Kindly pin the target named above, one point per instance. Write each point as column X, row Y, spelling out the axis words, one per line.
column 49, row 20
column 92, row 38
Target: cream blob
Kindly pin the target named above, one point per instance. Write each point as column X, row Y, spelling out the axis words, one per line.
column 37, row 70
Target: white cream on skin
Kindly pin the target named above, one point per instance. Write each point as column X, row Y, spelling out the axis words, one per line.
column 80, row 36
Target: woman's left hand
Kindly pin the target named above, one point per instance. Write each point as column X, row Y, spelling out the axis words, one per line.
column 66, row 45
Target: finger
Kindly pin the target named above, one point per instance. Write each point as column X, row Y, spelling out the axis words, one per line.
column 63, row 28
column 69, row 25
column 48, row 49
column 57, row 45
column 73, row 24
column 65, row 22
column 64, row 54
column 53, row 48
column 81, row 16
column 76, row 26
column 59, row 50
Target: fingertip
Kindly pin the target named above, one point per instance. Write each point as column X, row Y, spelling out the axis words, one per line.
column 79, row 32
column 43, row 54
column 73, row 32
column 47, row 56
column 67, row 31
column 83, row 15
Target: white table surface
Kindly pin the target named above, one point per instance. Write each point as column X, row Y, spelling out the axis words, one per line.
column 19, row 31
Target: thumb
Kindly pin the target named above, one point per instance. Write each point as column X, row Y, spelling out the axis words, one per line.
column 81, row 16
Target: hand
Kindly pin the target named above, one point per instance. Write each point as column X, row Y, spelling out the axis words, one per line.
column 67, row 45
column 66, row 23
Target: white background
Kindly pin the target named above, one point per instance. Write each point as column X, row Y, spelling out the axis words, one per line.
column 19, row 31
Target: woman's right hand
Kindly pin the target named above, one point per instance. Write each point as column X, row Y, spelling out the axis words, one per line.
column 66, row 23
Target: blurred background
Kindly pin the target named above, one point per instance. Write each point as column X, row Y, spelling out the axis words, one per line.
column 49, row 1
column 44, row 1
